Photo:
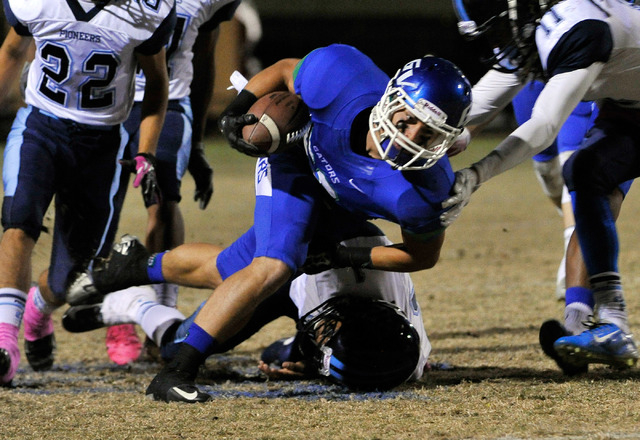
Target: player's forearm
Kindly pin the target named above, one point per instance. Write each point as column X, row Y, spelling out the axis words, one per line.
column 12, row 56
column 278, row 76
column 153, row 114
column 407, row 257
column 203, row 81
column 154, row 106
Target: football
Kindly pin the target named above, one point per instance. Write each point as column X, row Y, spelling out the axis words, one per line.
column 282, row 122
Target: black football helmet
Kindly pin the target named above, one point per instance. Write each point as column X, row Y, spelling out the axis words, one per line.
column 359, row 342
column 508, row 26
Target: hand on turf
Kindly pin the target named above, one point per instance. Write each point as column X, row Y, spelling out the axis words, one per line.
column 202, row 174
column 231, row 128
column 288, row 371
column 143, row 166
column 465, row 184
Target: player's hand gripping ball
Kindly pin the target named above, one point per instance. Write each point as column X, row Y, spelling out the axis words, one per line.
column 283, row 120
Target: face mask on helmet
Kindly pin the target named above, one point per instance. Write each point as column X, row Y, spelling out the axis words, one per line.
column 507, row 27
column 432, row 91
column 361, row 343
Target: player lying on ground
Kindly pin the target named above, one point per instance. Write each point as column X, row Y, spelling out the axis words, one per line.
column 381, row 340
column 372, row 334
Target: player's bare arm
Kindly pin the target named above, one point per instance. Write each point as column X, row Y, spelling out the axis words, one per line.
column 12, row 56
column 203, row 80
column 278, row 76
column 414, row 254
column 154, row 105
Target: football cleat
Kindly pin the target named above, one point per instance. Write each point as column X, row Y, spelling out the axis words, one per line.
column 116, row 308
column 39, row 340
column 78, row 319
column 9, row 353
column 550, row 332
column 172, row 385
column 125, row 267
column 603, row 344
column 123, row 344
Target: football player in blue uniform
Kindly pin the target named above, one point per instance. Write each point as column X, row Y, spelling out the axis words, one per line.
column 377, row 147
column 190, row 59
column 586, row 50
column 67, row 142
column 376, row 347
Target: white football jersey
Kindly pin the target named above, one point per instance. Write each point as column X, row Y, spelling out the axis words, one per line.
column 620, row 76
column 191, row 15
column 84, row 66
column 309, row 291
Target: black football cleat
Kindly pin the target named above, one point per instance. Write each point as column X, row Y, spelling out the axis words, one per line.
column 78, row 319
column 41, row 352
column 125, row 267
column 171, row 385
column 550, row 332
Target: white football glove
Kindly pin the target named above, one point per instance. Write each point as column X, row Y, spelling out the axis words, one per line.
column 465, row 184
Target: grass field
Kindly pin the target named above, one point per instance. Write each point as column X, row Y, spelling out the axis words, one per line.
column 483, row 304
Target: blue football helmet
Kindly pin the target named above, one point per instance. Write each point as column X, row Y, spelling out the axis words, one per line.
column 360, row 342
column 508, row 27
column 435, row 92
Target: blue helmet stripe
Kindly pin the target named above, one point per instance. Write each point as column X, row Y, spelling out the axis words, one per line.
column 460, row 9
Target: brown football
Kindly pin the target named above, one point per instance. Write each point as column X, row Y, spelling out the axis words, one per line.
column 282, row 121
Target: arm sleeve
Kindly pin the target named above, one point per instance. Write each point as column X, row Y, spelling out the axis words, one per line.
column 491, row 94
column 556, row 101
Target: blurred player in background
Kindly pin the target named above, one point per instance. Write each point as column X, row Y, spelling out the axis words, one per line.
column 68, row 142
column 366, row 325
column 548, row 163
column 378, row 150
column 570, row 43
column 191, row 64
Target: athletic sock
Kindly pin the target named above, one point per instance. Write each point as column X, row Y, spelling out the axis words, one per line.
column 154, row 268
column 199, row 339
column 609, row 299
column 167, row 294
column 12, row 302
column 578, row 308
column 41, row 304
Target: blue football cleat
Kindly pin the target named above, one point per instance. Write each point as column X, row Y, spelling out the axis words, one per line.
column 603, row 344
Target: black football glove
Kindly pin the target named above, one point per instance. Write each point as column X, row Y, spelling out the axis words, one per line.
column 234, row 118
column 231, row 127
column 143, row 165
column 202, row 174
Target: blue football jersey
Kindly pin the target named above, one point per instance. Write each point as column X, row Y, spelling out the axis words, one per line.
column 338, row 83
